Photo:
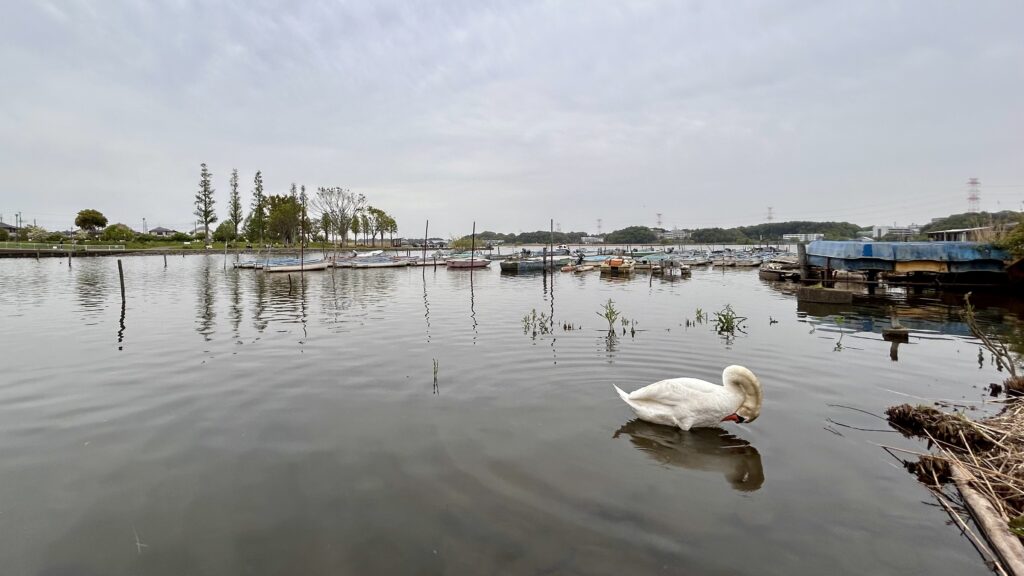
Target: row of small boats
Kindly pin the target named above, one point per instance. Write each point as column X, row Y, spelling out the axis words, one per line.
column 655, row 261
column 375, row 259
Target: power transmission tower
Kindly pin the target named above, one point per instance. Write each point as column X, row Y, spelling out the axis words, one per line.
column 771, row 215
column 973, row 195
column 659, row 219
column 598, row 226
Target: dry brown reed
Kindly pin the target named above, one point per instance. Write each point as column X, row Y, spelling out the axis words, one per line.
column 989, row 453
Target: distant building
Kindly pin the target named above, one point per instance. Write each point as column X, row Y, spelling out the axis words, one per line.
column 803, row 237
column 592, row 240
column 896, row 231
column 674, row 234
column 7, row 227
column 162, row 232
column 960, row 234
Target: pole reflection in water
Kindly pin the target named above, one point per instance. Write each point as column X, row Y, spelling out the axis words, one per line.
column 472, row 306
column 702, row 449
column 554, row 338
column 426, row 303
column 236, row 302
column 120, row 332
column 302, row 307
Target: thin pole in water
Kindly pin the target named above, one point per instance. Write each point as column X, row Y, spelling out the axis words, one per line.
column 165, row 260
column 289, row 283
column 551, row 244
column 425, row 231
column 472, row 248
column 120, row 273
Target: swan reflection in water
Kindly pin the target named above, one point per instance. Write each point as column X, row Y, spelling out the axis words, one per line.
column 705, row 449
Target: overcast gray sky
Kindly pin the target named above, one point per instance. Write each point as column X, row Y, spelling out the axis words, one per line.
column 511, row 113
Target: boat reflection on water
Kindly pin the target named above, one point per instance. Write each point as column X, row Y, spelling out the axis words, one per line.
column 704, row 449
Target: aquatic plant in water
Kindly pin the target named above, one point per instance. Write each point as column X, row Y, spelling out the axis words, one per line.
column 535, row 324
column 727, row 321
column 610, row 314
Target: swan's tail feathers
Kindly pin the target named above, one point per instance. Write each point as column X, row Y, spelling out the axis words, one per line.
column 623, row 395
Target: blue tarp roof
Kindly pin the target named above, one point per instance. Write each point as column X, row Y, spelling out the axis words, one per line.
column 907, row 251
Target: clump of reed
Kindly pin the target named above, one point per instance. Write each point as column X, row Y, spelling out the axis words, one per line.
column 985, row 456
column 537, row 324
column 610, row 314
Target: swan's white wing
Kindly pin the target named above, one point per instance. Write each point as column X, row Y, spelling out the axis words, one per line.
column 675, row 391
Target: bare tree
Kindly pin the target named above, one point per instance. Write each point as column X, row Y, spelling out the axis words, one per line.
column 336, row 205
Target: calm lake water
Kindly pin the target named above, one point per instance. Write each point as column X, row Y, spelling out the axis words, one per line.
column 228, row 422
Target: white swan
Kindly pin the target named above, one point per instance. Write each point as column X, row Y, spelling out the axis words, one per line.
column 692, row 403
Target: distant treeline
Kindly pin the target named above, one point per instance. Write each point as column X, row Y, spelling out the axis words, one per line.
column 773, row 232
column 973, row 220
column 768, row 232
column 644, row 235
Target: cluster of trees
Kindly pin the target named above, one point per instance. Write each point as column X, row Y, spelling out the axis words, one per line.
column 973, row 220
column 538, row 237
column 287, row 217
column 772, row 232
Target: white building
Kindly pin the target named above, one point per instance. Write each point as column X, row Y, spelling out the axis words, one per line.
column 674, row 234
column 803, row 237
column 592, row 240
column 898, row 231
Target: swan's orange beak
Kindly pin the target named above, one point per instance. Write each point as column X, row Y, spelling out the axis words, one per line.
column 734, row 417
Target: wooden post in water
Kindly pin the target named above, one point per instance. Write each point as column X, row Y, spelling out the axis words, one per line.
column 472, row 249
column 120, row 274
column 801, row 256
column 425, row 232
column 551, row 248
column 289, row 283
column 165, row 260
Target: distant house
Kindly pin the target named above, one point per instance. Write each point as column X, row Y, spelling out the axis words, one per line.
column 160, row 232
column 8, row 228
column 592, row 240
column 961, row 234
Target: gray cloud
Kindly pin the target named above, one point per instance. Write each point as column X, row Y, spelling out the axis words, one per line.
column 511, row 113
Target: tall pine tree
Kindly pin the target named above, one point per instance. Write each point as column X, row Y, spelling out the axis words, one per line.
column 235, row 203
column 257, row 210
column 204, row 201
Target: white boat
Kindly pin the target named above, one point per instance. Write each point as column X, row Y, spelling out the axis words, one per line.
column 297, row 266
column 468, row 263
column 380, row 262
